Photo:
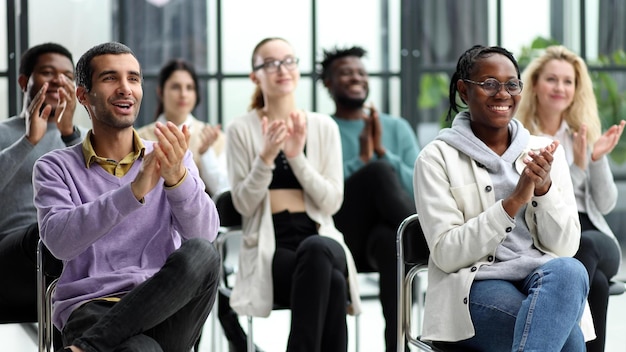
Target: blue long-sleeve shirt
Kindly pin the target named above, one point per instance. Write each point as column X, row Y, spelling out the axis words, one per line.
column 398, row 138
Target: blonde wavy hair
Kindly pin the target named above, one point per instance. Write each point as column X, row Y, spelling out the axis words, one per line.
column 583, row 109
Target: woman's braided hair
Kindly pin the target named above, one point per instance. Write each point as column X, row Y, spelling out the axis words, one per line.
column 465, row 67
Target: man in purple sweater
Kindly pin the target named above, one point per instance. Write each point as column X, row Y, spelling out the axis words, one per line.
column 129, row 219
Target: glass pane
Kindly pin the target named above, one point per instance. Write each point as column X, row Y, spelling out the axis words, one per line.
column 394, row 36
column 516, row 32
column 4, row 39
column 325, row 103
column 395, row 86
column 610, row 37
column 4, row 98
column 148, row 103
column 242, row 30
column 363, row 28
column 75, row 24
column 82, row 25
column 238, row 95
column 212, row 33
column 211, row 100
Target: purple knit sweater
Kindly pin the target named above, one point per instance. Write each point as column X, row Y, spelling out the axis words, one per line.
column 110, row 242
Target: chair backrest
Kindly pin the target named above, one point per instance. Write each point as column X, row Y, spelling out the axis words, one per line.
column 415, row 248
column 412, row 259
column 229, row 217
column 49, row 269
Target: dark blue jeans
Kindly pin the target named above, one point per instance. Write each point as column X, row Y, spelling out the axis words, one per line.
column 540, row 313
column 165, row 313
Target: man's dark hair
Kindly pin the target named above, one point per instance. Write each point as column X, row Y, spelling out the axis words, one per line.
column 84, row 71
column 337, row 53
column 30, row 57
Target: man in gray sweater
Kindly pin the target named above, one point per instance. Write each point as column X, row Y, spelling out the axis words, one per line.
column 46, row 76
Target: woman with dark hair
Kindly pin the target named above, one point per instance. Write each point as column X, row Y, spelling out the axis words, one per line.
column 286, row 170
column 497, row 209
column 179, row 94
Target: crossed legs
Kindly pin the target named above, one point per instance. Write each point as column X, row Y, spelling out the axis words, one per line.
column 165, row 313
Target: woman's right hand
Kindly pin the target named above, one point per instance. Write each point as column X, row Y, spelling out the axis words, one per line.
column 535, row 180
column 274, row 135
column 607, row 142
column 208, row 136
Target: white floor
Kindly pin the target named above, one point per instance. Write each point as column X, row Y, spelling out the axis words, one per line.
column 271, row 333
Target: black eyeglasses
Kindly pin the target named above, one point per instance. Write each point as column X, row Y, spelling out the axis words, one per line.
column 492, row 86
column 289, row 63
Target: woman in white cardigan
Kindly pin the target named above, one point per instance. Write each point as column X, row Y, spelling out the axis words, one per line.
column 285, row 169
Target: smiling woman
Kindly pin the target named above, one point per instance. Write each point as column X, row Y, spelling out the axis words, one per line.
column 481, row 186
column 285, row 168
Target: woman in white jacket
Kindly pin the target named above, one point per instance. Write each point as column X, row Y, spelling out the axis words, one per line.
column 497, row 208
column 285, row 169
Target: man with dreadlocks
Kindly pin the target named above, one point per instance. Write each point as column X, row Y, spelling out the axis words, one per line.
column 378, row 156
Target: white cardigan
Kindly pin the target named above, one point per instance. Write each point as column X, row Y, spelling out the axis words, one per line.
column 320, row 173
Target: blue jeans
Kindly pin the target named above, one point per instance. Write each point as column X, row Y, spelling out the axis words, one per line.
column 540, row 313
column 164, row 313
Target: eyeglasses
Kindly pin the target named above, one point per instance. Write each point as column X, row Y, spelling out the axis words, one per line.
column 289, row 63
column 492, row 86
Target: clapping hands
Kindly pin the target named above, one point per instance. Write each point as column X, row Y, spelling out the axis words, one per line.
column 289, row 136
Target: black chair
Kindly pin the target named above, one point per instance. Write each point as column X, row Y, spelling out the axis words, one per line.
column 412, row 257
column 616, row 288
column 230, row 225
column 48, row 271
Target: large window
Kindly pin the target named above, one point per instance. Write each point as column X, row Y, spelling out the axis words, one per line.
column 413, row 45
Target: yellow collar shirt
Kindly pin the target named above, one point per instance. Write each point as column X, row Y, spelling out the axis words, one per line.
column 111, row 166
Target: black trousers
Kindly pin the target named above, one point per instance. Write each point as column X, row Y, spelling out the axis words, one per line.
column 375, row 203
column 18, row 272
column 600, row 256
column 309, row 274
column 164, row 313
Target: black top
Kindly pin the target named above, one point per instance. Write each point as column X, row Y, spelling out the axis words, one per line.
column 283, row 177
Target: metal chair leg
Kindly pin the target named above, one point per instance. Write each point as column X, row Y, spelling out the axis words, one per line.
column 250, row 340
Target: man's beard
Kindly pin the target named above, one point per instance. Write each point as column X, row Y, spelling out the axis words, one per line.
column 352, row 103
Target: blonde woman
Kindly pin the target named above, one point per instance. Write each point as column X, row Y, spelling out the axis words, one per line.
column 286, row 171
column 558, row 102
column 179, row 93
